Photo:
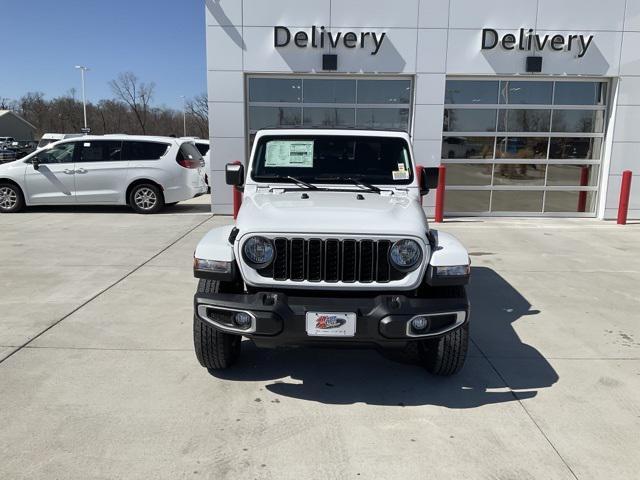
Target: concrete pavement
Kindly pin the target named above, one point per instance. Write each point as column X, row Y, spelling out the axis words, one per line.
column 99, row 378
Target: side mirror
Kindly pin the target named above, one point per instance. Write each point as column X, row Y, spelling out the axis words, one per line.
column 428, row 179
column 234, row 174
column 36, row 163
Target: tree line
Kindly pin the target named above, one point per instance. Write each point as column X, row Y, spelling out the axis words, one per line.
column 130, row 111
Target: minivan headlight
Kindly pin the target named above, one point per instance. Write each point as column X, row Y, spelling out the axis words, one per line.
column 258, row 252
column 405, row 254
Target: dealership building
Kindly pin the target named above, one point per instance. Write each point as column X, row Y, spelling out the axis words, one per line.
column 532, row 105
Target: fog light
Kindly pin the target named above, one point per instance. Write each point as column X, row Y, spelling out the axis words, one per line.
column 242, row 319
column 419, row 323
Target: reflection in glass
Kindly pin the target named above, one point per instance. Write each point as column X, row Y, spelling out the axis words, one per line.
column 469, row 174
column 532, row 93
column 570, row 202
column 384, row 91
column 575, row 148
column 468, row 147
column 275, row 90
column 517, row 201
column 462, row 120
column 471, row 92
column 572, row 175
column 383, row 118
column 583, row 121
column 264, row 117
column 518, row 174
column 524, row 120
column 580, row 93
column 329, row 91
column 522, row 147
column 329, row 117
column 467, row 201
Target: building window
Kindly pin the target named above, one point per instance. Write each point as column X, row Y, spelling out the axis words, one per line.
column 281, row 102
column 523, row 146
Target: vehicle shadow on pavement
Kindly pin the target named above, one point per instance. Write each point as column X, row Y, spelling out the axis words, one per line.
column 120, row 209
column 335, row 376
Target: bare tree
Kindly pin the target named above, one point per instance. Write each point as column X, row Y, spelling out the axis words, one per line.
column 198, row 108
column 137, row 95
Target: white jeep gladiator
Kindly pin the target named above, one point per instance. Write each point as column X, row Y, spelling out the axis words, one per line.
column 331, row 247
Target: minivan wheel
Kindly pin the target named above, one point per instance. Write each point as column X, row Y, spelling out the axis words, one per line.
column 11, row 199
column 215, row 350
column 146, row 198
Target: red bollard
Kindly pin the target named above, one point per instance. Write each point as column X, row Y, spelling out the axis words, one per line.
column 582, row 196
column 442, row 172
column 237, row 197
column 625, row 190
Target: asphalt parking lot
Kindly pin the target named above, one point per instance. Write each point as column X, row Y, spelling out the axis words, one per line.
column 98, row 378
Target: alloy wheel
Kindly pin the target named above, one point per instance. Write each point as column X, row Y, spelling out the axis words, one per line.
column 8, row 198
column 145, row 198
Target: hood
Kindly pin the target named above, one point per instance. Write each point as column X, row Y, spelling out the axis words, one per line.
column 332, row 212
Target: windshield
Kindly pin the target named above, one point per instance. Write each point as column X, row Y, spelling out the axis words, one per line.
column 333, row 159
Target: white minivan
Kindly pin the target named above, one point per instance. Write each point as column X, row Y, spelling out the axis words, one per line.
column 143, row 172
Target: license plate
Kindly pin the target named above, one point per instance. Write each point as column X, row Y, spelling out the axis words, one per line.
column 331, row 324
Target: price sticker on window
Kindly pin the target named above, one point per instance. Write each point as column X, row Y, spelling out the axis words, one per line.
column 296, row 154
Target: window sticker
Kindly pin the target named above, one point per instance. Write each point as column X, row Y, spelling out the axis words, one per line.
column 283, row 153
column 400, row 175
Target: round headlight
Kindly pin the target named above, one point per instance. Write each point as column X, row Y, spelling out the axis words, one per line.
column 258, row 252
column 405, row 254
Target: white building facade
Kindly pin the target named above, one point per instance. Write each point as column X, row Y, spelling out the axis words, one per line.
column 533, row 105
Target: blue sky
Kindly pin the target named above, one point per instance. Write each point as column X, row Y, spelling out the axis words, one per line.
column 161, row 41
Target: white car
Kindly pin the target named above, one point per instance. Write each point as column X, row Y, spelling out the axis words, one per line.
column 331, row 247
column 143, row 172
column 48, row 138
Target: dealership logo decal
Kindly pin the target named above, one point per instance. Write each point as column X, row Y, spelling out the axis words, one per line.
column 319, row 38
column 527, row 40
column 327, row 322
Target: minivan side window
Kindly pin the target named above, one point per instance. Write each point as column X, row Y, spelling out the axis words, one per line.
column 132, row 150
column 62, row 153
column 203, row 148
column 99, row 151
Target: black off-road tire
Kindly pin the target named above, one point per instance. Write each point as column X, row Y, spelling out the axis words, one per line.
column 12, row 198
column 215, row 350
column 144, row 191
column 446, row 355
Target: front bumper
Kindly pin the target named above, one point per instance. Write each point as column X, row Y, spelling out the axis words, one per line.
column 279, row 319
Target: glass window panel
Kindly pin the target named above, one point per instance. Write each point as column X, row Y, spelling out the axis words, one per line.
column 471, row 92
column 329, row 91
column 329, row 117
column 101, row 151
column 469, row 174
column 583, row 121
column 570, row 202
column 463, row 120
column 516, row 201
column 265, row 117
column 575, row 148
column 524, row 120
column 518, row 174
column 532, row 93
column 468, row 147
column 522, row 147
column 572, row 175
column 467, row 200
column 383, row 118
column 384, row 91
column 580, row 93
column 275, row 90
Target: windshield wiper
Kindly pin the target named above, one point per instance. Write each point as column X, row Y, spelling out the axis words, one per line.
column 297, row 181
column 355, row 181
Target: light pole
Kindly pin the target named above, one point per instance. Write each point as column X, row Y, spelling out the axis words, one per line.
column 184, row 115
column 84, row 100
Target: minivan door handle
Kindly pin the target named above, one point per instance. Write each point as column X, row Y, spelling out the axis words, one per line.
column 81, row 170
column 68, row 171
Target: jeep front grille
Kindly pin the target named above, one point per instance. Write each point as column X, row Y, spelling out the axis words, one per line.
column 332, row 260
